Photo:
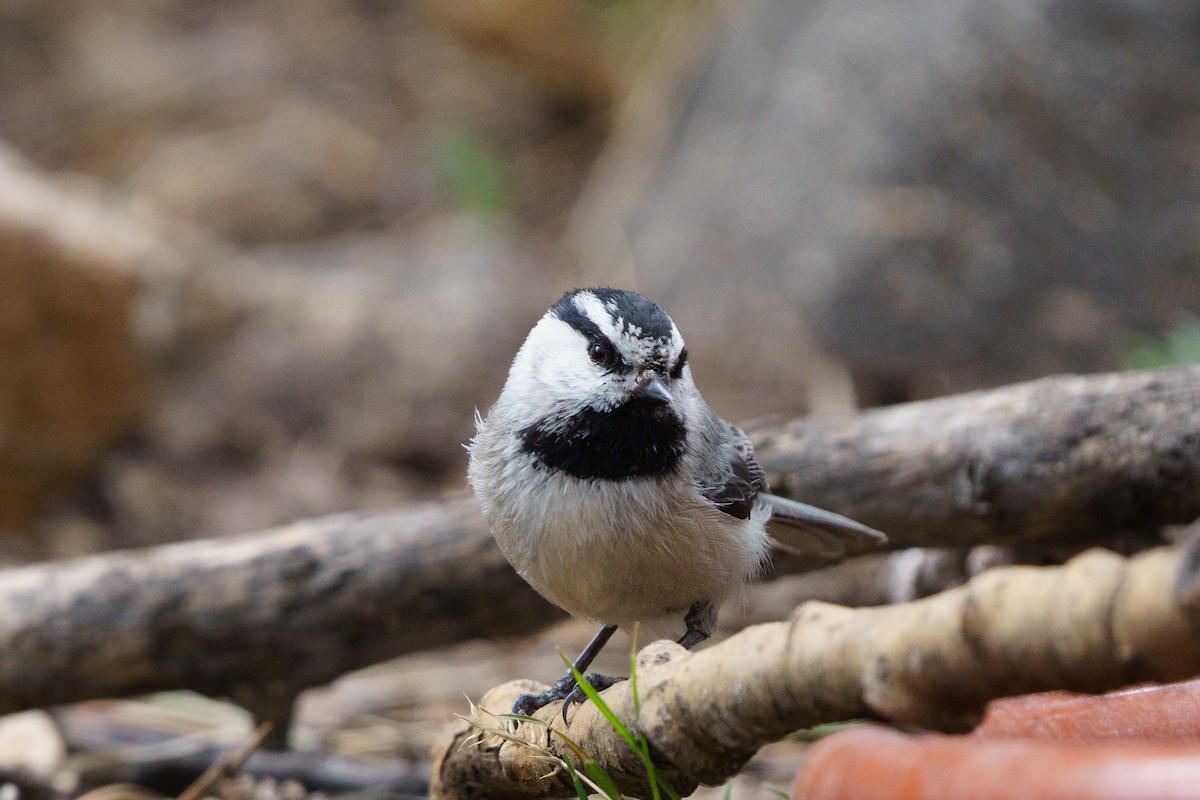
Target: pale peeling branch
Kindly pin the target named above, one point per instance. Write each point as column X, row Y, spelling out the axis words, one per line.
column 1099, row 622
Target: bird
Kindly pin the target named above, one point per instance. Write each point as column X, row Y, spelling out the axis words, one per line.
column 615, row 490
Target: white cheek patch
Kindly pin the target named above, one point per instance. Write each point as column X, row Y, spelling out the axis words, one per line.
column 552, row 373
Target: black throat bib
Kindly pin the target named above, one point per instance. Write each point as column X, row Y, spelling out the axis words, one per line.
column 633, row 440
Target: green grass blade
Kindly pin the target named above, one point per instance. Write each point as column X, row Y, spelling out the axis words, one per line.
column 779, row 791
column 818, row 732
column 621, row 728
column 636, row 742
column 657, row 781
column 580, row 790
column 590, row 691
column 637, row 697
column 603, row 780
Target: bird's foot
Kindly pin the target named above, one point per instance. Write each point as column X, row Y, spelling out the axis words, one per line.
column 568, row 691
column 598, row 682
column 526, row 704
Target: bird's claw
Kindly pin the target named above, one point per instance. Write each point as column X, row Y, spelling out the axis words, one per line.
column 572, row 694
column 577, row 696
column 526, row 704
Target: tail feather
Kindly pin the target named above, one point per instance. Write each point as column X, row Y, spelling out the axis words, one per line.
column 810, row 531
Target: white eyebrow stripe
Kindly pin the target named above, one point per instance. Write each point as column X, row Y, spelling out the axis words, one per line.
column 595, row 310
column 627, row 338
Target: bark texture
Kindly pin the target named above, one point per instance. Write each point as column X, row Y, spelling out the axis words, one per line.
column 1098, row 622
column 277, row 611
column 1058, row 459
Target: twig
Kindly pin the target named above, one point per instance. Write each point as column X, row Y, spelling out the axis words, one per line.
column 225, row 767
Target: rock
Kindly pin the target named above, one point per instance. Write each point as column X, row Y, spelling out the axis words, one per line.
column 30, row 743
column 74, row 374
column 938, row 195
column 244, row 389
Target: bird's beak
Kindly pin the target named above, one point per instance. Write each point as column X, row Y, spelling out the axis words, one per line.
column 650, row 387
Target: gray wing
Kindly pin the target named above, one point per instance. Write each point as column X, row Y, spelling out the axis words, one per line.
column 797, row 527
column 738, row 481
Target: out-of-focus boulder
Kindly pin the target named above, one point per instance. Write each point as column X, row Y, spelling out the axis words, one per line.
column 318, row 234
column 72, row 371
column 941, row 195
column 199, row 389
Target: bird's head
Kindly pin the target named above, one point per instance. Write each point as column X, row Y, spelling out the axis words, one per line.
column 604, row 371
column 601, row 349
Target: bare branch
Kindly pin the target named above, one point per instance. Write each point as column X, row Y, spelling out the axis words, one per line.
column 1059, row 459
column 1099, row 622
column 283, row 610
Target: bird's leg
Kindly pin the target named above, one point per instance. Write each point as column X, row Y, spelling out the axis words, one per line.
column 565, row 687
column 700, row 619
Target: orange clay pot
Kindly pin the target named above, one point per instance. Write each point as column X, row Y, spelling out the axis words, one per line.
column 1169, row 713
column 876, row 763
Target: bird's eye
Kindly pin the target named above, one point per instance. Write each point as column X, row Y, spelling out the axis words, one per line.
column 680, row 363
column 601, row 353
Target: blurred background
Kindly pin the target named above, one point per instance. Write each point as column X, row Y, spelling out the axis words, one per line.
column 262, row 260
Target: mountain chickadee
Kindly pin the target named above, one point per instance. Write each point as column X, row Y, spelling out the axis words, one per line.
column 613, row 488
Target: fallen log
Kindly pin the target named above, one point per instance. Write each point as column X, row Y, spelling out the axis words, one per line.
column 1067, row 458
column 258, row 615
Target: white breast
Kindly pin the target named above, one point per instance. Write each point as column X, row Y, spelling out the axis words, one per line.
column 614, row 551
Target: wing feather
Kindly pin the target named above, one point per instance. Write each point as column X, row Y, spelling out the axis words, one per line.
column 797, row 527
column 743, row 482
